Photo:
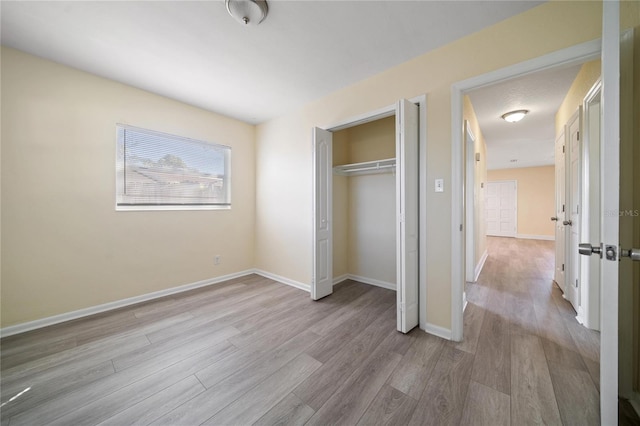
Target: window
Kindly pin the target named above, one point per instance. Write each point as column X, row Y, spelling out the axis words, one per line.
column 157, row 171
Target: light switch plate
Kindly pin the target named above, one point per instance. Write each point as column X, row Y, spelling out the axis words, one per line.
column 439, row 185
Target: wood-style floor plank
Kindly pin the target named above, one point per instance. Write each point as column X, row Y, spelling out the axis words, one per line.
column 413, row 372
column 290, row 411
column 442, row 400
column 260, row 399
column 492, row 363
column 219, row 395
column 317, row 389
column 486, row 406
column 576, row 408
column 533, row 400
column 390, row 407
column 151, row 408
column 350, row 401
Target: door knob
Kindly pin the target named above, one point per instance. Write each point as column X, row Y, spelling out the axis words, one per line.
column 587, row 249
column 554, row 218
column 633, row 253
column 567, row 222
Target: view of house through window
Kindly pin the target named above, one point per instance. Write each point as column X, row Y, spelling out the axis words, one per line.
column 165, row 172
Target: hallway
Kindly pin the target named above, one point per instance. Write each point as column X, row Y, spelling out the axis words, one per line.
column 533, row 361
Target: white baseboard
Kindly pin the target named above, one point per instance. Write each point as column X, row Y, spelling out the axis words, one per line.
column 283, row 280
column 372, row 281
column 536, row 237
column 436, row 330
column 480, row 265
column 68, row 316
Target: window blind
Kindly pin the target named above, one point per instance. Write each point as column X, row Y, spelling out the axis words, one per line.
column 157, row 169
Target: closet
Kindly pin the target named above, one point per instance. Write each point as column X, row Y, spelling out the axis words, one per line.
column 364, row 203
column 373, row 181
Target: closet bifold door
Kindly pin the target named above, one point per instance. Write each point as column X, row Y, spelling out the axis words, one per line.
column 407, row 116
column 322, row 280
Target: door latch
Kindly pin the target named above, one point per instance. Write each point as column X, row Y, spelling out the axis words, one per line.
column 611, row 252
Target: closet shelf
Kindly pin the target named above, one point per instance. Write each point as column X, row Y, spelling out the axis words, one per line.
column 387, row 165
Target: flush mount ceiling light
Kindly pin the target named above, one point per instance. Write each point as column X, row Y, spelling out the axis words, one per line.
column 514, row 116
column 247, row 12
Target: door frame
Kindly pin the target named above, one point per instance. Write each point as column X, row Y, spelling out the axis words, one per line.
column 384, row 112
column 569, row 56
column 573, row 280
column 590, row 267
column 470, row 205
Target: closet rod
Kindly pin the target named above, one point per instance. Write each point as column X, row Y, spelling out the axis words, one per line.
column 362, row 169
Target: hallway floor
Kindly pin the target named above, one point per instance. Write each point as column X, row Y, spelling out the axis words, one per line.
column 533, row 361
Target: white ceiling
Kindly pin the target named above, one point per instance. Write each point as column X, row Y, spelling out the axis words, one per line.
column 193, row 51
column 530, row 141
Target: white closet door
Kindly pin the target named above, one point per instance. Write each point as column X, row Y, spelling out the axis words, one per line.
column 407, row 116
column 501, row 209
column 322, row 281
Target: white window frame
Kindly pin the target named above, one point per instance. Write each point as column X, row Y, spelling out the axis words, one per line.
column 123, row 203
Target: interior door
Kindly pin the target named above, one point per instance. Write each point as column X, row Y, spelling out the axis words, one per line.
column 501, row 209
column 560, row 213
column 572, row 286
column 407, row 116
column 322, row 280
column 609, row 199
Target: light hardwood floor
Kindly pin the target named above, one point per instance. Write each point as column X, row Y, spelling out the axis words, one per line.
column 252, row 351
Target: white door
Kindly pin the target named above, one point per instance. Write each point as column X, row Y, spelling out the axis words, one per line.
column 501, row 208
column 609, row 199
column 322, row 280
column 407, row 116
column 572, row 285
column 560, row 207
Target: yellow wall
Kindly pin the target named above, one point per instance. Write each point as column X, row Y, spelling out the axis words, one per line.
column 536, row 198
column 283, row 149
column 480, row 179
column 64, row 247
column 586, row 78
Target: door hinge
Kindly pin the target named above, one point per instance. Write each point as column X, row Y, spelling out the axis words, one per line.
column 576, row 283
column 563, row 149
column 563, row 208
column 460, row 227
column 563, row 267
column 578, row 134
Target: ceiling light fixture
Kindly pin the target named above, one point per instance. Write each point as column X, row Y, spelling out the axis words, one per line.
column 247, row 12
column 515, row 116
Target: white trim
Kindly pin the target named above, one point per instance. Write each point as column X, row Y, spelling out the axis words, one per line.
column 536, row 237
column 480, row 265
column 569, row 56
column 436, row 330
column 283, row 280
column 422, row 211
column 92, row 310
column 372, row 281
column 470, row 207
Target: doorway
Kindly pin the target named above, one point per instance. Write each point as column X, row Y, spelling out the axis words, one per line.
column 410, row 139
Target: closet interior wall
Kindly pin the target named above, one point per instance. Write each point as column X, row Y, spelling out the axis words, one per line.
column 364, row 222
